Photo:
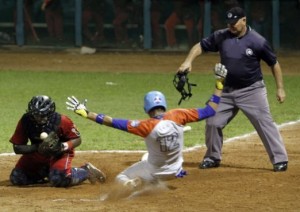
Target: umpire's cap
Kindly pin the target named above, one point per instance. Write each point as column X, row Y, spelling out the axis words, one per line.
column 234, row 14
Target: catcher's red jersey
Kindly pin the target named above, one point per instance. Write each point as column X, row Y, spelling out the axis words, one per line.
column 27, row 130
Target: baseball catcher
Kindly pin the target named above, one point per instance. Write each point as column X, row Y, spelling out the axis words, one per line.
column 48, row 158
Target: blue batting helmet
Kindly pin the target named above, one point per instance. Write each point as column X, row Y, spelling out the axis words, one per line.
column 154, row 99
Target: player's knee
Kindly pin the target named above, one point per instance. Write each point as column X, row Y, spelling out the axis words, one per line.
column 214, row 124
column 210, row 122
column 121, row 178
column 18, row 177
column 59, row 179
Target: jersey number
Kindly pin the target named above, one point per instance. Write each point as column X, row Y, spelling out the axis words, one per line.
column 168, row 143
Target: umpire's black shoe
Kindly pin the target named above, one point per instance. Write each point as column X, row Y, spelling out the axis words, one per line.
column 280, row 167
column 207, row 164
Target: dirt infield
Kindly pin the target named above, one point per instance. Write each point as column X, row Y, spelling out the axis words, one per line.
column 244, row 182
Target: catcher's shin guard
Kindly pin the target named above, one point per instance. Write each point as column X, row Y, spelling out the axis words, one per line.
column 19, row 177
column 58, row 178
column 78, row 175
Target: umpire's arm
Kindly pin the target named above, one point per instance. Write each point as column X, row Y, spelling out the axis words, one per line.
column 277, row 73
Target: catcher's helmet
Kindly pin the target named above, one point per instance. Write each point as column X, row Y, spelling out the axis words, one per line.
column 154, row 99
column 41, row 108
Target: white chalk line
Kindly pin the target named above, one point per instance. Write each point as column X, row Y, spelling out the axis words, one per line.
column 185, row 150
column 237, row 138
column 81, row 200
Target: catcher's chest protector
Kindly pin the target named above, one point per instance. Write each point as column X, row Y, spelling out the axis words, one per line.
column 34, row 130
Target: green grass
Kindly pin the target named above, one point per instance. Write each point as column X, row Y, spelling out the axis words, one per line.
column 122, row 98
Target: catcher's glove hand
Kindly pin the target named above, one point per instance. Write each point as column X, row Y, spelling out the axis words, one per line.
column 51, row 146
column 179, row 81
column 77, row 107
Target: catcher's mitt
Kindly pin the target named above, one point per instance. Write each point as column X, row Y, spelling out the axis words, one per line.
column 180, row 80
column 51, row 146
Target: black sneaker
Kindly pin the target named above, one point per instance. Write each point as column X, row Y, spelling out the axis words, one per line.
column 280, row 167
column 207, row 164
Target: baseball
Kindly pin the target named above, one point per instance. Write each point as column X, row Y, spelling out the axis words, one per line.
column 43, row 135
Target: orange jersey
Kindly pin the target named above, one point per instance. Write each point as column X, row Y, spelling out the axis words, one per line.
column 180, row 116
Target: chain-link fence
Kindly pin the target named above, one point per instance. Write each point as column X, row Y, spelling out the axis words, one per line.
column 140, row 24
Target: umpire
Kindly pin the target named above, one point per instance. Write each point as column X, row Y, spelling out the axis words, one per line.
column 241, row 49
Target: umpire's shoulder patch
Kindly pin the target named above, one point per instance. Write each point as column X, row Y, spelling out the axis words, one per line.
column 135, row 123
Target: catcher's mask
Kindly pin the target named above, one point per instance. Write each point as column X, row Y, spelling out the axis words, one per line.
column 179, row 81
column 154, row 99
column 41, row 108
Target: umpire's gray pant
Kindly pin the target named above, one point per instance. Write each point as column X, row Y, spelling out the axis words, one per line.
column 253, row 102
